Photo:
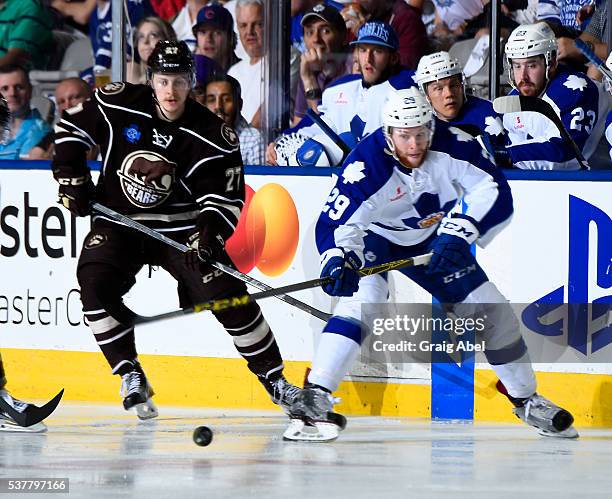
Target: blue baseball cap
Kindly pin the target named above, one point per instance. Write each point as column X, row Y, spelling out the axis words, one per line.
column 377, row 33
column 216, row 15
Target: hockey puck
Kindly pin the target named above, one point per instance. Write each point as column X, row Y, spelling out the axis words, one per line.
column 202, row 436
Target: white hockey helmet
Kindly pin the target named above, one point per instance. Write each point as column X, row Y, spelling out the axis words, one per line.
column 407, row 108
column 434, row 67
column 530, row 40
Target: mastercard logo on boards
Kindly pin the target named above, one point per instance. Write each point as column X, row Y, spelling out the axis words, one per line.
column 267, row 233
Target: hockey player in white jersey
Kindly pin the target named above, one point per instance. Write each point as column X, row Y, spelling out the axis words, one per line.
column 440, row 77
column 393, row 200
column 348, row 103
column 535, row 143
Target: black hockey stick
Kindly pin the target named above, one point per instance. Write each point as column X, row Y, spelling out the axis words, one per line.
column 33, row 414
column 239, row 301
column 591, row 56
column 223, row 268
column 327, row 130
column 522, row 103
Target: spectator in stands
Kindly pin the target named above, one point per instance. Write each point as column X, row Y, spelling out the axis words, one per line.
column 68, row 93
column 78, row 12
column 215, row 37
column 223, row 97
column 100, row 28
column 249, row 72
column 186, row 18
column 148, row 32
column 25, row 33
column 406, row 21
column 326, row 57
column 561, row 14
column 27, row 127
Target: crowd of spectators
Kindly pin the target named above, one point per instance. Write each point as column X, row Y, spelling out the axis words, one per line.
column 362, row 46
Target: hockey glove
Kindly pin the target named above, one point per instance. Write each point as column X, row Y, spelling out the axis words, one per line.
column 203, row 248
column 342, row 268
column 451, row 249
column 76, row 194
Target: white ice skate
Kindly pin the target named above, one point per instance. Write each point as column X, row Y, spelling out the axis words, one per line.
column 312, row 417
column 137, row 392
column 7, row 423
column 549, row 419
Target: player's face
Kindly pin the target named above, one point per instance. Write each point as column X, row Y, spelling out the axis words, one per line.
column 446, row 96
column 220, row 100
column 17, row 92
column 529, row 75
column 321, row 35
column 249, row 20
column 171, row 91
column 212, row 42
column 373, row 61
column 70, row 93
column 147, row 37
column 411, row 145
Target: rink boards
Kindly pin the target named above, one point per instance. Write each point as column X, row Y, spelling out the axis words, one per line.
column 557, row 246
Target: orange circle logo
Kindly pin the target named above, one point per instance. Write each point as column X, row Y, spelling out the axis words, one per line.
column 267, row 233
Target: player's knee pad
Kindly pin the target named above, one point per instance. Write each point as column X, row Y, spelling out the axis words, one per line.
column 312, row 153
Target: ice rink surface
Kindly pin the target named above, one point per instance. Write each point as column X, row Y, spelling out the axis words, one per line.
column 106, row 452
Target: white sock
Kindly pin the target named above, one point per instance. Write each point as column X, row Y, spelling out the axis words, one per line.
column 518, row 377
column 332, row 360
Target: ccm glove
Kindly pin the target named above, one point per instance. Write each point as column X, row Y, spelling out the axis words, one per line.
column 342, row 268
column 76, row 194
column 451, row 249
column 203, row 248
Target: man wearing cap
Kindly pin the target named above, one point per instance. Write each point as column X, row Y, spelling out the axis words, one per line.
column 324, row 59
column 351, row 100
column 214, row 33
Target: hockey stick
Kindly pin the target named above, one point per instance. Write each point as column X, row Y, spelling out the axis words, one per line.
column 239, row 301
column 591, row 56
column 223, row 268
column 522, row 103
column 33, row 414
column 327, row 130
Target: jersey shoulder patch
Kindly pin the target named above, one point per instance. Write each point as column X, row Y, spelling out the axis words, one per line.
column 229, row 134
column 113, row 88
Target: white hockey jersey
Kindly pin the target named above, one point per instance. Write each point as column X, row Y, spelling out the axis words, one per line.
column 374, row 192
column 535, row 143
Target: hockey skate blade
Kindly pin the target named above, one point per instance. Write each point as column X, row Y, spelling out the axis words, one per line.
column 567, row 433
column 12, row 427
column 146, row 410
column 301, row 431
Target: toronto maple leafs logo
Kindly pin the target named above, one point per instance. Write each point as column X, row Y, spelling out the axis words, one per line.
column 575, row 82
column 493, row 126
column 460, row 134
column 354, row 172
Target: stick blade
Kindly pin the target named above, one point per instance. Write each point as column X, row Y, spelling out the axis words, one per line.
column 33, row 413
column 507, row 104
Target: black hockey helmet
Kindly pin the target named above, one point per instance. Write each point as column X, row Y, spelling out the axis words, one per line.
column 171, row 56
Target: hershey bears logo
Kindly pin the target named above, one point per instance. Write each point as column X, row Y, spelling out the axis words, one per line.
column 95, row 240
column 229, row 135
column 112, row 88
column 146, row 178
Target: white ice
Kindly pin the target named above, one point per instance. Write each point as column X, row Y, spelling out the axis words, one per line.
column 106, row 452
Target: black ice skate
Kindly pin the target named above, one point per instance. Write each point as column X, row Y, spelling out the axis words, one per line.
column 549, row 419
column 7, row 423
column 312, row 417
column 137, row 392
column 281, row 391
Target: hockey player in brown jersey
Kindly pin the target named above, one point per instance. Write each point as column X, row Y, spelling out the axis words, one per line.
column 173, row 165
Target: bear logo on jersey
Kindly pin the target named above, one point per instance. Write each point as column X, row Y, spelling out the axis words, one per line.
column 229, row 135
column 95, row 241
column 112, row 88
column 146, row 178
